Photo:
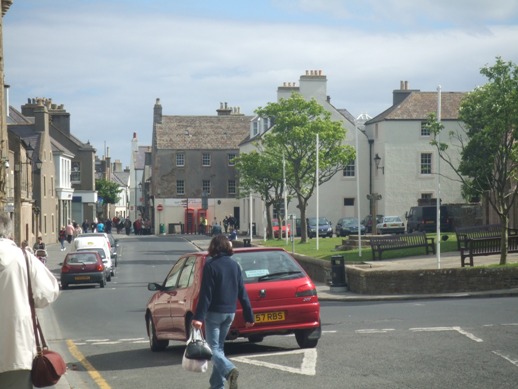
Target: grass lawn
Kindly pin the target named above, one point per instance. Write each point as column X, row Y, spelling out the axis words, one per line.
column 327, row 248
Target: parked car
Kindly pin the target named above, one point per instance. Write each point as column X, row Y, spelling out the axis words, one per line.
column 424, row 218
column 83, row 241
column 104, row 257
column 283, row 298
column 113, row 243
column 391, row 225
column 85, row 267
column 322, row 227
column 275, row 226
column 348, row 226
column 367, row 222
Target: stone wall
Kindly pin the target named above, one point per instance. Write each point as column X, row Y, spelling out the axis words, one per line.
column 470, row 279
column 375, row 282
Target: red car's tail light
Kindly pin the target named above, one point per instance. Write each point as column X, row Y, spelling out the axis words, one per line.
column 100, row 267
column 306, row 290
column 65, row 269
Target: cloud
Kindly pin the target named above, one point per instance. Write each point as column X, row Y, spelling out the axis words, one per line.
column 108, row 63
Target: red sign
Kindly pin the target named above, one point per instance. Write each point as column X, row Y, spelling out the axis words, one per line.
column 159, row 207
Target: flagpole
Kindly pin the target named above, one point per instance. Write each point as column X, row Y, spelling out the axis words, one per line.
column 286, row 226
column 316, row 174
column 438, row 182
column 358, row 188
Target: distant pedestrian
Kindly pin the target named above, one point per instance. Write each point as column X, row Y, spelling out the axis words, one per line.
column 225, row 224
column 85, row 226
column 70, row 231
column 62, row 237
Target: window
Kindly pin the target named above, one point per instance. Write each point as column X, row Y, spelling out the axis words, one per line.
column 205, row 186
column 180, row 159
column 426, row 163
column 75, row 176
column 425, row 131
column 350, row 170
column 231, row 187
column 231, row 159
column 172, row 277
column 205, row 159
column 186, row 277
column 254, row 128
column 426, row 196
column 349, row 202
column 180, row 187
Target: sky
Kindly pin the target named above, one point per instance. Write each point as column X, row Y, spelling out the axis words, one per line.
column 108, row 61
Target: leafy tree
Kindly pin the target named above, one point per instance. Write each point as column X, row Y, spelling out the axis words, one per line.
column 261, row 173
column 108, row 191
column 296, row 124
column 489, row 157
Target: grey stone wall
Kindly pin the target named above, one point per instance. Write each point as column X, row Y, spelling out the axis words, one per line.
column 375, row 282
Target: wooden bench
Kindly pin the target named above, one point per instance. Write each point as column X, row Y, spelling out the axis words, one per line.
column 486, row 246
column 379, row 244
column 475, row 232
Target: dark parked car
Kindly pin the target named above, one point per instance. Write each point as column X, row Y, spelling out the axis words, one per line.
column 322, row 227
column 348, row 226
column 283, row 298
column 85, row 267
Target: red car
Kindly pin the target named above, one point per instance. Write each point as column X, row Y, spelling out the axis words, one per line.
column 283, row 298
column 275, row 226
column 84, row 267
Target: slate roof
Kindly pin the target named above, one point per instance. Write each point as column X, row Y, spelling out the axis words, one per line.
column 121, row 178
column 223, row 132
column 418, row 105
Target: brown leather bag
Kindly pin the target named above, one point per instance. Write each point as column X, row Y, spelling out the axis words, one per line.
column 48, row 366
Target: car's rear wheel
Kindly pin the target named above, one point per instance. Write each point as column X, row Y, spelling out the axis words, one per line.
column 255, row 338
column 64, row 286
column 154, row 343
column 307, row 338
column 109, row 277
column 102, row 284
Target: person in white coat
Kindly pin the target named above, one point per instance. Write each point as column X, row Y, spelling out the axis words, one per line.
column 17, row 342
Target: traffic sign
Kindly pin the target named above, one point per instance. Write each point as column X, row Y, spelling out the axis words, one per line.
column 159, row 207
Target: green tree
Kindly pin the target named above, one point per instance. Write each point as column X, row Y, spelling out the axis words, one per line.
column 261, row 173
column 489, row 158
column 108, row 191
column 293, row 135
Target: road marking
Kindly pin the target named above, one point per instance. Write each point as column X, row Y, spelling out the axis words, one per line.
column 307, row 367
column 96, row 376
column 458, row 329
column 375, row 331
column 506, row 357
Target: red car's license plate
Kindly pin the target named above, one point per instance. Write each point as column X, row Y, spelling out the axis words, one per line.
column 81, row 278
column 269, row 316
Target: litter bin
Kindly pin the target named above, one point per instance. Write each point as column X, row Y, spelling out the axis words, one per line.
column 162, row 229
column 247, row 242
column 338, row 272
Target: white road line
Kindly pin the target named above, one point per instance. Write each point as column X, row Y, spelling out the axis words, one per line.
column 506, row 357
column 458, row 329
column 307, row 367
column 374, row 331
column 131, row 339
column 98, row 343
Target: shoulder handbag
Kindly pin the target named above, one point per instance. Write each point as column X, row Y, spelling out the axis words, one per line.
column 197, row 347
column 48, row 366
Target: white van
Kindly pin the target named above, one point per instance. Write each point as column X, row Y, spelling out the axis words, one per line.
column 93, row 242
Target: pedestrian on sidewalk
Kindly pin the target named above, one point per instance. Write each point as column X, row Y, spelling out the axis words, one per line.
column 17, row 340
column 62, row 237
column 221, row 287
